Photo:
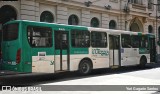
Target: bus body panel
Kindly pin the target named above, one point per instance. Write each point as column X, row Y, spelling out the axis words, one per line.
column 37, row 59
column 37, row 48
column 129, row 56
column 10, row 46
column 9, row 55
column 100, row 57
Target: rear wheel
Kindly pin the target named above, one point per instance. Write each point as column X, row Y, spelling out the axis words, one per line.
column 85, row 67
column 143, row 62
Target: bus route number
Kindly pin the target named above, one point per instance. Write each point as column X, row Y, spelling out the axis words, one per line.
column 61, row 29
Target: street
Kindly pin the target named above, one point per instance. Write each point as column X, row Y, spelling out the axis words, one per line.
column 122, row 76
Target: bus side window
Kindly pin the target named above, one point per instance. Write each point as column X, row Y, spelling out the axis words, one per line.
column 126, row 41
column 80, row 38
column 135, row 40
column 39, row 36
column 144, row 42
column 98, row 39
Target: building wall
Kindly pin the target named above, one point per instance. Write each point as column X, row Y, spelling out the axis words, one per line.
column 62, row 9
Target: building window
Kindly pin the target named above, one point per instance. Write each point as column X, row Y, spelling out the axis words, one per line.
column 80, row 39
column 98, row 39
column 150, row 29
column 94, row 22
column 7, row 13
column 136, row 1
column 134, row 27
column 150, row 5
column 39, row 36
column 73, row 20
column 46, row 16
column 112, row 24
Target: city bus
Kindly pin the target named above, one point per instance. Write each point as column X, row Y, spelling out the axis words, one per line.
column 39, row 47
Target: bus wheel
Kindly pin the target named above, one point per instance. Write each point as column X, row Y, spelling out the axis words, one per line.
column 85, row 67
column 143, row 62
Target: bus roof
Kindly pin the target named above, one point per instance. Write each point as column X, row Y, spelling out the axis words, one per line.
column 111, row 31
column 28, row 21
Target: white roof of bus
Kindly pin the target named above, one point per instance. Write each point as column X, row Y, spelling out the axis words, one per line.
column 112, row 31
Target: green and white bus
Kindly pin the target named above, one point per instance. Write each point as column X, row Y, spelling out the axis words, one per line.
column 41, row 47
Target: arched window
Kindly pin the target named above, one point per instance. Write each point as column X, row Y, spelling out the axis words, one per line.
column 150, row 29
column 112, row 24
column 134, row 27
column 73, row 20
column 46, row 16
column 7, row 13
column 94, row 22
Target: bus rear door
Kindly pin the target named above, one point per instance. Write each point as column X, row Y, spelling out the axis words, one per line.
column 61, row 50
column 114, row 50
column 38, row 49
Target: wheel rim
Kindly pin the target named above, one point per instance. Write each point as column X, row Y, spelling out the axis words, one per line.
column 85, row 68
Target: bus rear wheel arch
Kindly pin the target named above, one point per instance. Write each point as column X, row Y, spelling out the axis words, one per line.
column 143, row 62
column 85, row 66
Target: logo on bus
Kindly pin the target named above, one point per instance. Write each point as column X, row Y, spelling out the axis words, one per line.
column 52, row 63
column 100, row 51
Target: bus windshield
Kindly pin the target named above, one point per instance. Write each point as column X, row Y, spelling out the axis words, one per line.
column 10, row 32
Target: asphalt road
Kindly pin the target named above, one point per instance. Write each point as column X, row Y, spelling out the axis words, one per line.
column 120, row 76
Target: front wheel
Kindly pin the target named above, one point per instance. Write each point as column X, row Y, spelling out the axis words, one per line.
column 85, row 67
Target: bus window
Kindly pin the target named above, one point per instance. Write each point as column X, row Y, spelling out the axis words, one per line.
column 98, row 39
column 126, row 41
column 10, row 32
column 144, row 42
column 39, row 36
column 135, row 40
column 80, row 38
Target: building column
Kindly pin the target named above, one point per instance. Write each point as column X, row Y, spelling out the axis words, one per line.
column 62, row 15
column 86, row 18
column 156, row 35
column 121, row 23
column 28, row 10
column 105, row 19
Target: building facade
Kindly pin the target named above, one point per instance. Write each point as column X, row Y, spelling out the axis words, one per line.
column 133, row 15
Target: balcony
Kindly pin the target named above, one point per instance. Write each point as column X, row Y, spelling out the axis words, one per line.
column 136, row 7
column 139, row 6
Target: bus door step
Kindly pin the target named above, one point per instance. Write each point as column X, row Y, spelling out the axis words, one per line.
column 114, row 67
column 60, row 71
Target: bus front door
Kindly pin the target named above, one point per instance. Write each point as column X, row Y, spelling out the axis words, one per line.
column 152, row 49
column 61, row 51
column 114, row 50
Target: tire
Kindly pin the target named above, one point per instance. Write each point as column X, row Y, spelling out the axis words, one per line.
column 143, row 62
column 85, row 67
